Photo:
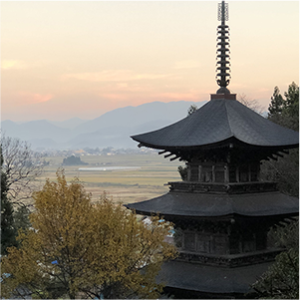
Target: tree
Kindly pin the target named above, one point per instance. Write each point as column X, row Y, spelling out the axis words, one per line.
column 21, row 166
column 8, row 232
column 21, row 218
column 192, row 109
column 285, row 170
column 252, row 104
column 285, row 112
column 77, row 248
column 183, row 171
column 276, row 105
column 73, row 161
column 291, row 108
column 281, row 281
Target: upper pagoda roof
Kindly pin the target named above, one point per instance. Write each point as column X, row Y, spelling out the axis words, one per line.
column 220, row 121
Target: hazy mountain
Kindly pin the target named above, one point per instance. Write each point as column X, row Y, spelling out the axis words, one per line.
column 9, row 125
column 136, row 116
column 69, row 124
column 34, row 130
column 113, row 128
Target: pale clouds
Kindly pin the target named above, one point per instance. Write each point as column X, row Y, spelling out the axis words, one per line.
column 13, row 65
column 113, row 76
column 29, row 98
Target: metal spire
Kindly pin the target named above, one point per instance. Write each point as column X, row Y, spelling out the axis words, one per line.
column 223, row 70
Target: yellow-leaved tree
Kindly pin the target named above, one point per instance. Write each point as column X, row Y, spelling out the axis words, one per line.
column 84, row 250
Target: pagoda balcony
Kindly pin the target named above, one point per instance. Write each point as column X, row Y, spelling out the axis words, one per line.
column 230, row 260
column 229, row 188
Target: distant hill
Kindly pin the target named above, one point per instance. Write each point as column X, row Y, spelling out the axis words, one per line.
column 35, row 130
column 132, row 117
column 69, row 124
column 112, row 129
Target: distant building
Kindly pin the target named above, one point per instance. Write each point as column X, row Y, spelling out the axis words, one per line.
column 222, row 211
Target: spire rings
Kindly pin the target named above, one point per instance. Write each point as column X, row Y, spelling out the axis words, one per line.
column 223, row 71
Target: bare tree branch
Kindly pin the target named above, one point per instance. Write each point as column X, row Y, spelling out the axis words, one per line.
column 252, row 104
column 21, row 165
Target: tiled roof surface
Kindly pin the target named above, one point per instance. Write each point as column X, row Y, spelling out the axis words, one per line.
column 217, row 121
column 202, row 204
column 204, row 278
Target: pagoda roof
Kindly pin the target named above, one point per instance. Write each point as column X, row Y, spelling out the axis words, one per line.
column 211, row 279
column 180, row 204
column 219, row 121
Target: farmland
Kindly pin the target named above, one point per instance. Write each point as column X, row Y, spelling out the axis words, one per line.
column 148, row 180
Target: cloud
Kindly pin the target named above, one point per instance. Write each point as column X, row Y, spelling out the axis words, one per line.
column 187, row 64
column 113, row 76
column 42, row 98
column 13, row 65
column 30, row 98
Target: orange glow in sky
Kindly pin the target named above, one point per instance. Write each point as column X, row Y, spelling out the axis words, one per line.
column 80, row 59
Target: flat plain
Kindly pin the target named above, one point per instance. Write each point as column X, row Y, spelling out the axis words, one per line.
column 149, row 180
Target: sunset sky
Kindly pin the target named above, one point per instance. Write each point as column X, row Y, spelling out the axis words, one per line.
column 65, row 59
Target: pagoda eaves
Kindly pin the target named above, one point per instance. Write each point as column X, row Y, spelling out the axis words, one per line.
column 220, row 122
column 217, row 204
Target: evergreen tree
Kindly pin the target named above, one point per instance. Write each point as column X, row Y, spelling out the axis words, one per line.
column 291, row 109
column 276, row 106
column 21, row 218
column 281, row 281
column 285, row 112
column 285, row 171
column 8, row 232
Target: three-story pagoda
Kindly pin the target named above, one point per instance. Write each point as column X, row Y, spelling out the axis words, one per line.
column 222, row 211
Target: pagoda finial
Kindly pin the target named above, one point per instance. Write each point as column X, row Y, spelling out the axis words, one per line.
column 223, row 70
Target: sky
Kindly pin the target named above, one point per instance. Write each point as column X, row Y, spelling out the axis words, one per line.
column 65, row 59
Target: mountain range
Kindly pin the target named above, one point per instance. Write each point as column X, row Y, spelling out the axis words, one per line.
column 112, row 129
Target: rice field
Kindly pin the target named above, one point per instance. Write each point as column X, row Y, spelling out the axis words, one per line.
column 146, row 181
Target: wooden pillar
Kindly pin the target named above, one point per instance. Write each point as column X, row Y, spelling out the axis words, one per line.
column 199, row 173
